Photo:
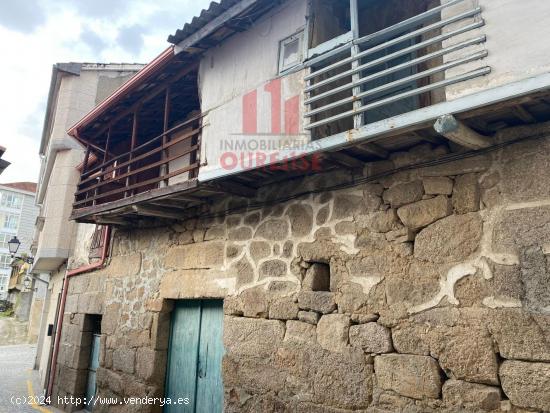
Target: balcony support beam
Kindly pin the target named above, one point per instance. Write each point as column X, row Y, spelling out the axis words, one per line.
column 456, row 131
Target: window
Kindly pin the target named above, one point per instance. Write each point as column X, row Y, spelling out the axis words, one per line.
column 11, row 200
column 4, row 239
column 5, row 261
column 291, row 51
column 9, row 221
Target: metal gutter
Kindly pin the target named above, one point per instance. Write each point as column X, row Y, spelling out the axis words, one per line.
column 133, row 83
column 396, row 124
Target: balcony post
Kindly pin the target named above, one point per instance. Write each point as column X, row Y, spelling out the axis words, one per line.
column 164, row 168
column 131, row 179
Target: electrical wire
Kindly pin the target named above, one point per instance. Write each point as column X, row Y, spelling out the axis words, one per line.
column 368, row 179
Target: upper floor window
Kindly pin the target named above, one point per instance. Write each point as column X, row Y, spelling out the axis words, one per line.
column 9, row 221
column 5, row 261
column 291, row 51
column 4, row 239
column 11, row 200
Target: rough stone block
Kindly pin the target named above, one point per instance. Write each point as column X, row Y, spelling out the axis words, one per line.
column 255, row 303
column 244, row 272
column 310, row 317
column 382, row 221
column 252, row 337
column 300, row 332
column 401, row 235
column 319, row 301
column 273, row 229
column 259, row 250
column 363, row 318
column 402, row 194
column 239, row 234
column 124, row 265
column 371, row 337
column 346, row 206
column 423, row 213
column 150, row 365
column 124, row 359
column 471, row 395
column 196, row 256
column 438, row 185
column 467, row 354
column 466, row 194
column 417, row 377
column 301, row 219
column 317, row 278
column 450, row 239
column 283, row 309
column 412, row 338
column 333, row 332
column 520, row 335
column 273, row 269
column 526, row 384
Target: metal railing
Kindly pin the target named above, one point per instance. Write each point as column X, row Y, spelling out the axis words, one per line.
column 367, row 73
column 144, row 168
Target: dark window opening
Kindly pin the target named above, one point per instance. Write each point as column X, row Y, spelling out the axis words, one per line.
column 329, row 19
column 387, row 68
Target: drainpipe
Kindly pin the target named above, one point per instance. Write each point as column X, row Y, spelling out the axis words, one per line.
column 68, row 274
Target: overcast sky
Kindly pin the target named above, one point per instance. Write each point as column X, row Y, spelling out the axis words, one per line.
column 35, row 34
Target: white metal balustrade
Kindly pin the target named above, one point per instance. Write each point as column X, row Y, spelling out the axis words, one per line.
column 367, row 72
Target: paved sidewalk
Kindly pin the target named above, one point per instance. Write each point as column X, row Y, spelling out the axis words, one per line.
column 18, row 381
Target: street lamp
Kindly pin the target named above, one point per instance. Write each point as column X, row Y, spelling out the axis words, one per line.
column 13, row 246
column 27, row 282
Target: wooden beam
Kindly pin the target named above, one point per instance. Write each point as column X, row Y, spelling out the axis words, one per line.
column 522, row 113
column 456, row 131
column 346, row 160
column 159, row 212
column 233, row 188
column 374, row 149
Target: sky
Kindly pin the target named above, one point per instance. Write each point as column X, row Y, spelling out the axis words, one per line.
column 35, row 34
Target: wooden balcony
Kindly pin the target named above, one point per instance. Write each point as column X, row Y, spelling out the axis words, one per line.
column 155, row 164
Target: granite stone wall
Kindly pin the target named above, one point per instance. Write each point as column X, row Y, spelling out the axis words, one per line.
column 425, row 290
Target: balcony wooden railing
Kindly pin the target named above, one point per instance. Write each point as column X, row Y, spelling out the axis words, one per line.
column 172, row 156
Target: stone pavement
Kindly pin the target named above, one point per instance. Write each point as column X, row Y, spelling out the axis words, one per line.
column 18, row 381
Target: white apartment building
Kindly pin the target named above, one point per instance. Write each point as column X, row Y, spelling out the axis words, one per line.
column 18, row 213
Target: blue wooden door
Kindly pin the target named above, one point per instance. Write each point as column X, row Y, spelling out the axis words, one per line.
column 194, row 357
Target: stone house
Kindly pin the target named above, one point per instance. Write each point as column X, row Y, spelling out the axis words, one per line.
column 314, row 210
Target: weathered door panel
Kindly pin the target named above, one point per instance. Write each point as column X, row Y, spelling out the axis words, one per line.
column 194, row 357
column 183, row 355
column 209, row 374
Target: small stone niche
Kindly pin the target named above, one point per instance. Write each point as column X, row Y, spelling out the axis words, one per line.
column 317, row 277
